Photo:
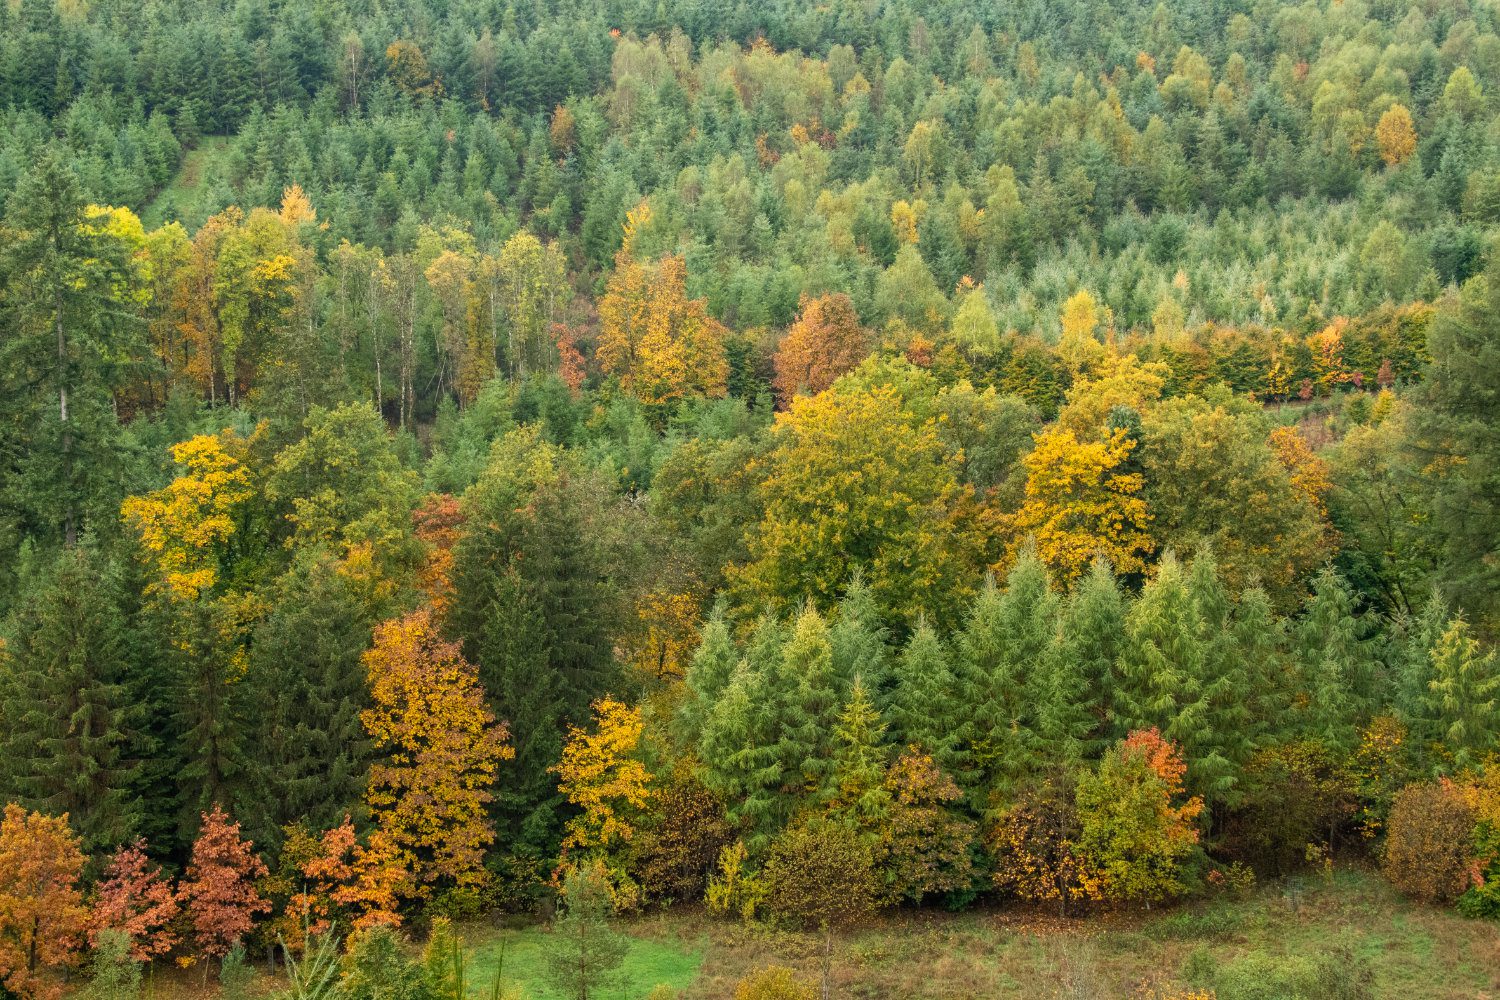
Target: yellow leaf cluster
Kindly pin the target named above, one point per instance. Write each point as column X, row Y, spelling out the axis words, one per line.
column 184, row 525
column 599, row 775
column 1079, row 504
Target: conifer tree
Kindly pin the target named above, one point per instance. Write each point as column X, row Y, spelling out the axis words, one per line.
column 740, row 759
column 806, row 697
column 1260, row 637
column 1222, row 744
column 708, row 674
column 923, row 706
column 858, row 639
column 1333, row 660
column 1002, row 649
column 855, row 789
column 68, row 743
column 309, row 754
column 1463, row 701
column 1075, row 714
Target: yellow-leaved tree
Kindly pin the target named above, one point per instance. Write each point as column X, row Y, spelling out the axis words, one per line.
column 1081, row 502
column 186, row 525
column 441, row 752
column 600, row 775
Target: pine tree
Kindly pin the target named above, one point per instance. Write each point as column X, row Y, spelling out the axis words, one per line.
column 68, row 743
column 1076, row 712
column 740, row 760
column 1463, row 696
column 308, row 755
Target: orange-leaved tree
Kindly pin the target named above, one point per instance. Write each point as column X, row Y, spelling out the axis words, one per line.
column 442, row 750
column 42, row 916
column 136, row 898
column 826, row 341
column 599, row 774
column 218, row 890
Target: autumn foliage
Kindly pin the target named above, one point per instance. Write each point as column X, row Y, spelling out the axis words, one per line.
column 826, row 341
column 136, row 899
column 42, row 913
column 218, row 891
column 443, row 750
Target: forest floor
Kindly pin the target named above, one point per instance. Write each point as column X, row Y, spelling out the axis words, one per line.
column 1415, row 953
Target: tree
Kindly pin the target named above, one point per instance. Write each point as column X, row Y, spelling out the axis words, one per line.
column 530, row 290
column 924, row 706
column 70, row 742
column 1038, row 856
column 663, row 346
column 585, row 952
column 42, row 915
column 856, row 481
column 1078, row 699
column 926, row 847
column 855, row 786
column 1395, row 135
column 1458, row 441
column 70, row 326
column 1335, row 661
column 304, row 686
column 826, row 341
column 1134, row 826
column 185, row 528
column 1429, row 841
column 1082, row 503
column 135, row 898
column 218, row 891
column 1463, row 695
column 440, row 751
column 600, row 775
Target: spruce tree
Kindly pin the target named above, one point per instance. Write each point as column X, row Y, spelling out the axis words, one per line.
column 741, row 760
column 67, row 744
column 1260, row 639
column 308, row 753
column 1463, row 700
column 1333, row 661
column 1076, row 712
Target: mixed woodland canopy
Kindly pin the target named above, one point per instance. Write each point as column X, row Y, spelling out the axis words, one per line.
column 736, row 451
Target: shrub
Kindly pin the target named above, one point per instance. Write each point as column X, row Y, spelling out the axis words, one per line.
column 1035, row 845
column 377, row 968
column 819, row 875
column 114, row 972
column 734, row 890
column 1429, row 839
column 675, row 852
column 1338, row 975
column 775, row 982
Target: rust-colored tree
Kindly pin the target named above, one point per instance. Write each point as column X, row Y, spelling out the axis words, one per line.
column 442, row 751
column 826, row 341
column 42, row 916
column 136, row 898
column 218, row 891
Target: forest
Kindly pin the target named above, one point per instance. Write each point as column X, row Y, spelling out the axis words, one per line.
column 778, row 468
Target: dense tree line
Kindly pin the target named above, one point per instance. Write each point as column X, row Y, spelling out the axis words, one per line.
column 795, row 459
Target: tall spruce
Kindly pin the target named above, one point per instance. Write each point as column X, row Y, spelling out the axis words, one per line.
column 67, row 726
column 1077, row 712
column 1463, row 696
column 923, row 705
column 1334, row 661
column 308, row 755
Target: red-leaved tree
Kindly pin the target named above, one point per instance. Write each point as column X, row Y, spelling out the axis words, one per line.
column 218, row 890
column 137, row 899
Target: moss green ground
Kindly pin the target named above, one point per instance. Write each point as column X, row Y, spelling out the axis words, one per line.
column 1415, row 953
